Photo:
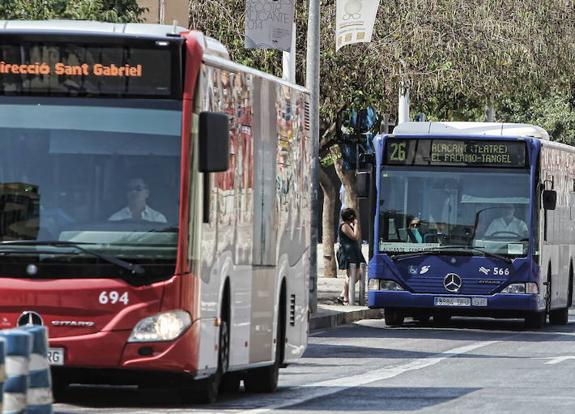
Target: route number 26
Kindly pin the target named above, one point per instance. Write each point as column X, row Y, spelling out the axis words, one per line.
column 397, row 151
column 499, row 271
column 113, row 297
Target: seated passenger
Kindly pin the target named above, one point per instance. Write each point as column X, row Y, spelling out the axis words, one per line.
column 137, row 208
column 507, row 224
column 414, row 231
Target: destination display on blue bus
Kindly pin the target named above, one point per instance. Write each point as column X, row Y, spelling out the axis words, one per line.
column 455, row 152
column 65, row 69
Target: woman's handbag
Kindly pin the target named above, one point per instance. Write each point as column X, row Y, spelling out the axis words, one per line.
column 341, row 259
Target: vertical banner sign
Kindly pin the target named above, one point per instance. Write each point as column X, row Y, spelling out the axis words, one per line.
column 268, row 24
column 354, row 21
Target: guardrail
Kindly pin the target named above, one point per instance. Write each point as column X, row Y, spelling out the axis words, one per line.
column 25, row 371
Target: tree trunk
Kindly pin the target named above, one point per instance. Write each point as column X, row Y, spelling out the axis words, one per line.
column 348, row 180
column 328, row 236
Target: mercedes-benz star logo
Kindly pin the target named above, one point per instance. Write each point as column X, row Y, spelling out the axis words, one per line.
column 452, row 282
column 29, row 318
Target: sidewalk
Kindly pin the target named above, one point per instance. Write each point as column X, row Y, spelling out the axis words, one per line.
column 331, row 314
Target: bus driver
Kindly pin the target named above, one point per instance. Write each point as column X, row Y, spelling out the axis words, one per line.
column 137, row 208
column 507, row 224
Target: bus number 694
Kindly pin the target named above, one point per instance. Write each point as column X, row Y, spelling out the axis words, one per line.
column 113, row 297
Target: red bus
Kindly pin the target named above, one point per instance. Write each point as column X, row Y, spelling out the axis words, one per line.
column 155, row 207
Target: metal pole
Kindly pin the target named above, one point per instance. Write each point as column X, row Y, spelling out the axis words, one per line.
column 162, row 11
column 352, row 278
column 403, row 104
column 362, row 273
column 312, row 84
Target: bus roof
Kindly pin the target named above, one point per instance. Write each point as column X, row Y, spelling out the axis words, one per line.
column 470, row 128
column 157, row 31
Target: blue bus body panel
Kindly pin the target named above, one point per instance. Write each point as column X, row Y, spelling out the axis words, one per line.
column 408, row 300
column 481, row 277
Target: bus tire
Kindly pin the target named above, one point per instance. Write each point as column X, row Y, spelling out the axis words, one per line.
column 393, row 317
column 206, row 391
column 559, row 316
column 262, row 380
column 535, row 320
column 230, row 382
column 265, row 379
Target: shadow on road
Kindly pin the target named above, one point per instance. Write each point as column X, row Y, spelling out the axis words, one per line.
column 458, row 328
column 362, row 398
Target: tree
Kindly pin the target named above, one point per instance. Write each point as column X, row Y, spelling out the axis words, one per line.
column 117, row 11
column 554, row 113
column 456, row 56
column 328, row 239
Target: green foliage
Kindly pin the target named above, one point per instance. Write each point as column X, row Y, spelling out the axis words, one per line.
column 117, row 11
column 555, row 114
column 457, row 56
column 228, row 28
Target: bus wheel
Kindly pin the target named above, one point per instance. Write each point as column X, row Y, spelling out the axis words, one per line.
column 393, row 317
column 262, row 380
column 265, row 379
column 230, row 382
column 559, row 316
column 206, row 391
column 535, row 320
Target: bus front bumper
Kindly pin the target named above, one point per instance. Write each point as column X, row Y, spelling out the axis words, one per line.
column 499, row 304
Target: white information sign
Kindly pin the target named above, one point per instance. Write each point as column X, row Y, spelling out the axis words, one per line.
column 354, row 20
column 268, row 24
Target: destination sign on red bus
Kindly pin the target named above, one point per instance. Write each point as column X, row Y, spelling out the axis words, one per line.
column 66, row 69
column 455, row 152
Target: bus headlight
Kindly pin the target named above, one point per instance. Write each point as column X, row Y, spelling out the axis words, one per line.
column 521, row 288
column 383, row 284
column 161, row 327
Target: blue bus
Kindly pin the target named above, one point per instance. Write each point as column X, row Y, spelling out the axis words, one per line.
column 473, row 219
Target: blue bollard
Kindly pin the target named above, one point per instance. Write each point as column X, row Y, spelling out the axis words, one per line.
column 39, row 396
column 18, row 347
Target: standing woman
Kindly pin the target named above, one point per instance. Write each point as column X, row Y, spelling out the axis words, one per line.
column 350, row 248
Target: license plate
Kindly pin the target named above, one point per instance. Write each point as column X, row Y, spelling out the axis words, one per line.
column 452, row 302
column 479, row 301
column 56, row 356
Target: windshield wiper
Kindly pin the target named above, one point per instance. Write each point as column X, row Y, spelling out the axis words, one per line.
column 131, row 267
column 447, row 248
column 409, row 255
column 478, row 249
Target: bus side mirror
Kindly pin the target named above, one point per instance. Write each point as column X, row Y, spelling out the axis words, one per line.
column 214, row 145
column 549, row 199
column 362, row 184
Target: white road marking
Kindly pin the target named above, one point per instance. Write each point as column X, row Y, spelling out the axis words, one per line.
column 325, row 388
column 557, row 360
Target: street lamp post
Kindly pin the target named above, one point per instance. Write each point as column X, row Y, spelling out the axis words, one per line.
column 312, row 84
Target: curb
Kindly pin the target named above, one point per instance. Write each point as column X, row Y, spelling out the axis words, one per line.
column 327, row 317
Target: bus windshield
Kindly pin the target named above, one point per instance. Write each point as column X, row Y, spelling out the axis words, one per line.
column 100, row 173
column 476, row 211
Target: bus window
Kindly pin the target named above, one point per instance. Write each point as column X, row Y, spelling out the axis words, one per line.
column 451, row 211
